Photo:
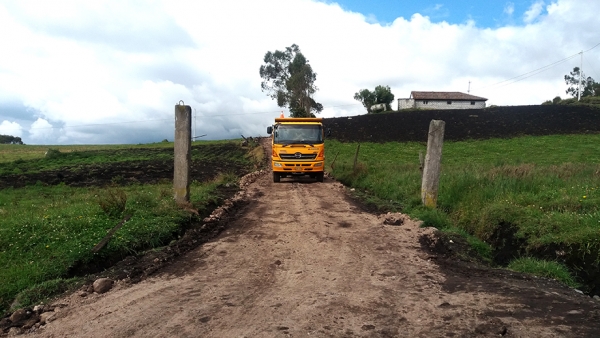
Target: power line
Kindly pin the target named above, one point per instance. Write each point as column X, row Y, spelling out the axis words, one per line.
column 530, row 74
column 536, row 71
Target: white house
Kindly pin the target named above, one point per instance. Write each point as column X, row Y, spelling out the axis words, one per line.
column 441, row 100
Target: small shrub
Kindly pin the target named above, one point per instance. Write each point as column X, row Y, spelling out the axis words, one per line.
column 113, row 202
column 117, row 180
column 52, row 153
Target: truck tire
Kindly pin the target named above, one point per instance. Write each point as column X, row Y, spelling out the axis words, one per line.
column 320, row 177
column 276, row 177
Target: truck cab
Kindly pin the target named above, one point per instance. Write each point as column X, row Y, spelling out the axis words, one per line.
column 298, row 148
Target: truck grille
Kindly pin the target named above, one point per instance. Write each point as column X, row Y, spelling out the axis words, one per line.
column 298, row 156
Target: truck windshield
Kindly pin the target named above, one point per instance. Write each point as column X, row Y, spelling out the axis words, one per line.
column 298, row 134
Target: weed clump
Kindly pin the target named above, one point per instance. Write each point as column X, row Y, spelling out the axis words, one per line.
column 52, row 153
column 113, row 202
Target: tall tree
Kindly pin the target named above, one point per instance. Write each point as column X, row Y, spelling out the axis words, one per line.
column 381, row 94
column 366, row 97
column 589, row 87
column 289, row 79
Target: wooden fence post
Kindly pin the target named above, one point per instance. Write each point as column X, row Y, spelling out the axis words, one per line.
column 182, row 153
column 432, row 167
column 356, row 157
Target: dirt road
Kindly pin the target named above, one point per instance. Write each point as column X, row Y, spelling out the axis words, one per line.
column 301, row 259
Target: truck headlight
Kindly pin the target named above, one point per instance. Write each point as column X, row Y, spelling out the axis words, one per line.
column 319, row 164
column 277, row 164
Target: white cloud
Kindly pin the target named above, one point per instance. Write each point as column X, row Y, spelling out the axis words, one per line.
column 112, row 71
column 41, row 131
column 534, row 11
column 11, row 128
column 509, row 8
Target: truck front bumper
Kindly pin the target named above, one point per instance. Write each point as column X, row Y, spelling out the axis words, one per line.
column 298, row 167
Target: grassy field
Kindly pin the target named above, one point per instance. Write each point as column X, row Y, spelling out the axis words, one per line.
column 528, row 196
column 46, row 230
column 15, row 152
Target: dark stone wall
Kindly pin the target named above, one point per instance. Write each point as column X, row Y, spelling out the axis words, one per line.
column 494, row 122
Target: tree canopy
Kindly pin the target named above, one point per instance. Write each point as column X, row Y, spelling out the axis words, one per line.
column 289, row 79
column 8, row 139
column 381, row 94
column 589, row 87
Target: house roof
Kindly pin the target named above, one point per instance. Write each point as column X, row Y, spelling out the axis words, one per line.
column 456, row 96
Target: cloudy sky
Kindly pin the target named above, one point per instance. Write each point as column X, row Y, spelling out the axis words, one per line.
column 104, row 71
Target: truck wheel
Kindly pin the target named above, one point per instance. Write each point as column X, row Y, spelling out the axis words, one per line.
column 320, row 177
column 276, row 177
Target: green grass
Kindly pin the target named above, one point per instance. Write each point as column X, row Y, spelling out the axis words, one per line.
column 46, row 230
column 544, row 268
column 14, row 152
column 546, row 187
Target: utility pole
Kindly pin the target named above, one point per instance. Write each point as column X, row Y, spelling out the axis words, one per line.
column 580, row 75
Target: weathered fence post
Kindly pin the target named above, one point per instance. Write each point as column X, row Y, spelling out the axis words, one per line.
column 356, row 157
column 182, row 153
column 432, row 167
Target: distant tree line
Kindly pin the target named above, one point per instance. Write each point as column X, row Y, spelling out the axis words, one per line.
column 8, row 139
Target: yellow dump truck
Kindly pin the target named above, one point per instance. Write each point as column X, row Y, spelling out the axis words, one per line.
column 298, row 147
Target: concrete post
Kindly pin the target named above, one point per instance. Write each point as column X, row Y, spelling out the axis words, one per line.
column 182, row 153
column 432, row 167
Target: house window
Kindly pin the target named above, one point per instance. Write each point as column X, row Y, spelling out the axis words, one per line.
column 449, row 102
column 425, row 102
column 472, row 103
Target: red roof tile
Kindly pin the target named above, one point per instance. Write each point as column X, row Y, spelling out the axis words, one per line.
column 455, row 96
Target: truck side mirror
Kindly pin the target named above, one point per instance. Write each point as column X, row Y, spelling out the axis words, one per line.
column 269, row 130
